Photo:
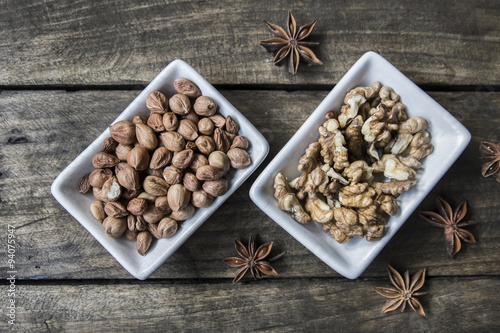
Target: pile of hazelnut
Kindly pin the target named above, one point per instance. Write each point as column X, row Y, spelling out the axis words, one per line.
column 153, row 172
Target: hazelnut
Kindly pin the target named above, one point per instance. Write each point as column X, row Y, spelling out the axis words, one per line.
column 109, row 145
column 187, row 87
column 123, row 131
column 155, row 121
column 231, row 126
column 191, row 116
column 180, row 104
column 183, row 213
column 182, row 159
column 239, row 158
column 208, row 172
column 144, row 240
column 240, row 142
column 141, row 223
column 84, row 184
column 146, row 136
column 122, row 151
column 167, row 227
column 110, row 191
column 127, row 176
column 206, row 126
column 188, row 129
column 103, row 160
column 139, row 120
column 115, row 209
column 218, row 120
column 131, row 222
column 138, row 158
column 205, row 106
column 162, row 204
column 222, row 142
column 153, row 214
column 156, row 102
column 137, row 206
column 205, row 144
column 198, row 160
column 219, row 160
column 160, row 159
column 217, row 187
column 178, row 197
column 97, row 210
column 170, row 121
column 114, row 227
column 201, row 198
column 190, row 182
column 173, row 141
column 172, row 175
column 155, row 186
column 98, row 177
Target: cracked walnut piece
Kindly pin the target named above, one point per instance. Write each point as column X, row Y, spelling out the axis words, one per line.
column 287, row 200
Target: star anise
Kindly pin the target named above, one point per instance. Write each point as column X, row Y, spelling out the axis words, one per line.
column 291, row 44
column 404, row 291
column 491, row 153
column 451, row 222
column 252, row 259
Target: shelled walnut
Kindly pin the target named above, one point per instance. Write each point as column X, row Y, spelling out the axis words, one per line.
column 342, row 184
column 154, row 171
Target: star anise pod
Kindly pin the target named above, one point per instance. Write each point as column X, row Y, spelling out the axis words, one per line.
column 290, row 43
column 452, row 223
column 404, row 291
column 252, row 259
column 491, row 153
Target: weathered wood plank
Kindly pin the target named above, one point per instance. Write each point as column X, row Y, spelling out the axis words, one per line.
column 122, row 42
column 42, row 131
column 452, row 305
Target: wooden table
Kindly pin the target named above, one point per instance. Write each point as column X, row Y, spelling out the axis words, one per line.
column 69, row 68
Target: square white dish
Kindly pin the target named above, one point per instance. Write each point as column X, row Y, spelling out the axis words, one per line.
column 64, row 188
column 449, row 138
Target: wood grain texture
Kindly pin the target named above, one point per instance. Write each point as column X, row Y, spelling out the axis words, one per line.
column 43, row 131
column 111, row 42
column 452, row 305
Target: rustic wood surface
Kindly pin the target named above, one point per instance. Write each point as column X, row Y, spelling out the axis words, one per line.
column 70, row 68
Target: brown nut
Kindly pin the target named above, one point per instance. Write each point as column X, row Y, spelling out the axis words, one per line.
column 153, row 214
column 146, row 136
column 144, row 240
column 183, row 213
column 201, row 199
column 170, row 121
column 205, row 144
column 198, row 160
column 172, row 175
column 137, row 206
column 97, row 210
column 122, row 151
column 155, row 186
column 219, row 160
column 206, row 126
column 123, row 131
column 167, row 227
column 141, row 223
column 205, row 106
column 190, row 182
column 156, row 102
column 180, row 104
column 148, row 197
column 188, row 129
column 187, row 87
column 130, row 194
column 222, row 142
column 127, row 176
column 178, row 197
column 103, row 160
column 208, row 172
column 110, row 191
column 138, row 158
column 155, row 121
column 162, row 204
column 173, row 141
column 131, row 222
column 98, row 177
column 239, row 158
column 109, row 145
column 160, row 159
column 84, row 184
column 114, row 227
column 240, row 142
column 191, row 116
column 218, row 120
column 115, row 209
column 217, row 187
column 231, row 125
column 139, row 120
column 182, row 159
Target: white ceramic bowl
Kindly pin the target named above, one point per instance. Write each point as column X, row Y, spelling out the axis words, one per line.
column 448, row 136
column 64, row 188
